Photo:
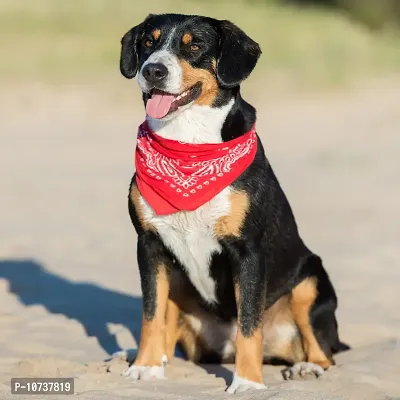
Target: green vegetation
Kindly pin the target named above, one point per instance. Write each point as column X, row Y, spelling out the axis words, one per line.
column 376, row 14
column 78, row 40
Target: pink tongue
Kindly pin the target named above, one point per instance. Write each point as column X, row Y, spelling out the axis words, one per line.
column 159, row 104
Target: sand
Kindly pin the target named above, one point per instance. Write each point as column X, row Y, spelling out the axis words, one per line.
column 69, row 285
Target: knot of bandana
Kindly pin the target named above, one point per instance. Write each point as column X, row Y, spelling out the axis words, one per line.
column 173, row 176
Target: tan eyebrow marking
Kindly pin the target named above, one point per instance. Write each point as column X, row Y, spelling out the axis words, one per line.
column 156, row 34
column 187, row 38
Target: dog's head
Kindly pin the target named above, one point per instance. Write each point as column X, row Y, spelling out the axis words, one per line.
column 183, row 61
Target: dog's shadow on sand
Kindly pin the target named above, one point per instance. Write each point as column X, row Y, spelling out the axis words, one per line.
column 91, row 305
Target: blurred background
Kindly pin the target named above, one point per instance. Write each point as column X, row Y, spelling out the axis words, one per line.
column 327, row 91
column 306, row 43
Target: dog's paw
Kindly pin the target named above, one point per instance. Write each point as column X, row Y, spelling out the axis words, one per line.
column 240, row 385
column 141, row 372
column 301, row 370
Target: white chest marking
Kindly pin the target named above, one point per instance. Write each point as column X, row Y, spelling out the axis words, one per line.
column 190, row 236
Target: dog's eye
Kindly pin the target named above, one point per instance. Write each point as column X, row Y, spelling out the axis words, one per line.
column 148, row 43
column 194, row 47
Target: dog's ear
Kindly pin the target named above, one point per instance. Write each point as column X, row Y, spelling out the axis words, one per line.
column 238, row 55
column 129, row 60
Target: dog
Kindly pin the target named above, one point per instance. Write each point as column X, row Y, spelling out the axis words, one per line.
column 225, row 274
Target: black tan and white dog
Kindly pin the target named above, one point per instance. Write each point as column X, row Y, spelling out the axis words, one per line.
column 223, row 269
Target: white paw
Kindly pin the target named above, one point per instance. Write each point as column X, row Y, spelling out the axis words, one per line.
column 302, row 369
column 140, row 372
column 240, row 385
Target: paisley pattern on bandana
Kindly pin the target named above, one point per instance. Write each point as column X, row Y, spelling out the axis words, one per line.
column 173, row 176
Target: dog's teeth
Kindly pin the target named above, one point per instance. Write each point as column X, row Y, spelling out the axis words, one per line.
column 182, row 95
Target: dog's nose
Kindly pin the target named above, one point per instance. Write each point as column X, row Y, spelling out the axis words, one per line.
column 155, row 72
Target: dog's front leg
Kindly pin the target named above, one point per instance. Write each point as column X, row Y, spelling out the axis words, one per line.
column 250, row 299
column 155, row 269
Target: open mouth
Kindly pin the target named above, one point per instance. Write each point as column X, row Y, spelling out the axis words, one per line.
column 159, row 104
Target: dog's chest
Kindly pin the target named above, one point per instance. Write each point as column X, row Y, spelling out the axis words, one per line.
column 191, row 238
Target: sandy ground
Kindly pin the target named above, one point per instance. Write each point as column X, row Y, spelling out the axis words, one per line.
column 69, row 285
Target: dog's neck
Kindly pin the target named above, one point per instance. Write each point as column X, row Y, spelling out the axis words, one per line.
column 204, row 124
column 197, row 124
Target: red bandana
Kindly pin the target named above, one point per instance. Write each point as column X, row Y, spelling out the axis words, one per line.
column 174, row 176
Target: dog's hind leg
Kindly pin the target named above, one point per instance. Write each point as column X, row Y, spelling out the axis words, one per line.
column 303, row 298
column 182, row 309
column 318, row 354
column 172, row 329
